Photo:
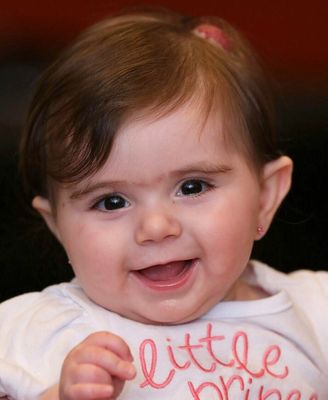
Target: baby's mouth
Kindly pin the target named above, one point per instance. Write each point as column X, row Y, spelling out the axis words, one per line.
column 166, row 276
column 165, row 272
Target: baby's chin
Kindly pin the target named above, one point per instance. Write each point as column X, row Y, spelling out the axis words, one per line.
column 170, row 314
column 164, row 320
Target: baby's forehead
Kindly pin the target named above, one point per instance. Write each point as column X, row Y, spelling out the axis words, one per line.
column 195, row 116
column 182, row 135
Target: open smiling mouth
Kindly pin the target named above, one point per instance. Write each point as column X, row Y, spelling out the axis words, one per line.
column 168, row 276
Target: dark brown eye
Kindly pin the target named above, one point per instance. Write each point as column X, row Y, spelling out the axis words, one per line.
column 111, row 203
column 193, row 187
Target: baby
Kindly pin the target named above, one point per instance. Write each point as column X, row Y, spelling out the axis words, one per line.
column 149, row 152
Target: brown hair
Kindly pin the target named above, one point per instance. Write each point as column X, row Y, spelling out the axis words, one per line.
column 134, row 63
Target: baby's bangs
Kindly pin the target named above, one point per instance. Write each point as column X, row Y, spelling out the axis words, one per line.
column 78, row 153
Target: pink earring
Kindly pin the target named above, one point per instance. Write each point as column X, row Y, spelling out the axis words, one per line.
column 260, row 230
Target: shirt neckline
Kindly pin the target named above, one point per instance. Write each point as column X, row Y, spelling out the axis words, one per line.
column 274, row 304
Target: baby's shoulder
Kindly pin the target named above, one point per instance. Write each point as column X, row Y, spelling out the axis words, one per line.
column 306, row 289
column 50, row 315
column 297, row 282
column 312, row 280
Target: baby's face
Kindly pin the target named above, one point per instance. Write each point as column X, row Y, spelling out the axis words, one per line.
column 163, row 231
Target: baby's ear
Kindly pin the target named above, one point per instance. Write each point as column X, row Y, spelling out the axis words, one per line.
column 276, row 181
column 45, row 209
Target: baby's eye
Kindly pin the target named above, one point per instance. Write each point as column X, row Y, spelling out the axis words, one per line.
column 193, row 187
column 111, row 203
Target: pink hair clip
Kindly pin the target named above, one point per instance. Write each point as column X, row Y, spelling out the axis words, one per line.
column 213, row 34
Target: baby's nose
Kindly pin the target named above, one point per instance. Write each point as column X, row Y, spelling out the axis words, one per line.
column 156, row 226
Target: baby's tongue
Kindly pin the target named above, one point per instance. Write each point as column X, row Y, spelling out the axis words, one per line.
column 164, row 272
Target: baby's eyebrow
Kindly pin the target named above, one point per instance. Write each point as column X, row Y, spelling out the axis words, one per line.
column 93, row 187
column 205, row 168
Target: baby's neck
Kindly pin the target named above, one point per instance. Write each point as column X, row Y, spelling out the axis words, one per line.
column 250, row 292
column 247, row 288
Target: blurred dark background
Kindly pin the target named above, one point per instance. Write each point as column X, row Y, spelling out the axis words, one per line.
column 291, row 36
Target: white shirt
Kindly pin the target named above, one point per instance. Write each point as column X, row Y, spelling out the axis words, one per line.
column 270, row 349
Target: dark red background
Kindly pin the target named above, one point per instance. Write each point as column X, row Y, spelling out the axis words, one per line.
column 291, row 35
